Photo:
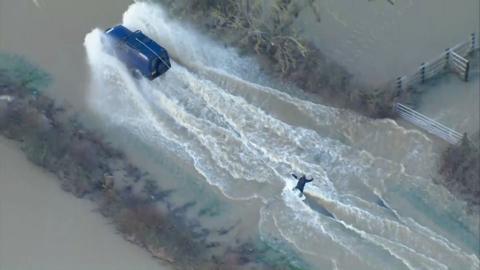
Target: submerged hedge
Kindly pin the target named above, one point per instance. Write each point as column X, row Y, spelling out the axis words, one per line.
column 460, row 168
column 268, row 31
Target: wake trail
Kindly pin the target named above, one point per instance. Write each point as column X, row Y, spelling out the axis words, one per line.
column 247, row 147
column 270, row 138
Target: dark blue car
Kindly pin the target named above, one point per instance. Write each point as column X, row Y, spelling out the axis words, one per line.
column 139, row 53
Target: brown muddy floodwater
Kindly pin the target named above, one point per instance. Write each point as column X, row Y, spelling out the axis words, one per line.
column 373, row 204
column 42, row 227
column 50, row 33
column 378, row 41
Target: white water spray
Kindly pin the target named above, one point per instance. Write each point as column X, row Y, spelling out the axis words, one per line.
column 238, row 146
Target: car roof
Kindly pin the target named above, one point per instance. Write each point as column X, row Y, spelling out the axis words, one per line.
column 119, row 32
column 140, row 42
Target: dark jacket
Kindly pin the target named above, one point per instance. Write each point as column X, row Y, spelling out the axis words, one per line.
column 302, row 182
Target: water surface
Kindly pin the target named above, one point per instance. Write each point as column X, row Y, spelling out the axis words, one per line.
column 214, row 110
column 43, row 227
column 215, row 130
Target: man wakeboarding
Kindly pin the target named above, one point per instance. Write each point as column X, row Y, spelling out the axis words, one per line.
column 302, row 181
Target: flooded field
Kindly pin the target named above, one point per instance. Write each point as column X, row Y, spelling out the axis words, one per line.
column 42, row 227
column 226, row 137
column 378, row 41
column 453, row 101
column 50, row 34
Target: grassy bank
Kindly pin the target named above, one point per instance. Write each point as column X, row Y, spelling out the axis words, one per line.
column 268, row 31
column 460, row 168
column 87, row 166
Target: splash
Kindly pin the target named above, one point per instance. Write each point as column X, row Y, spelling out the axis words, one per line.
column 217, row 110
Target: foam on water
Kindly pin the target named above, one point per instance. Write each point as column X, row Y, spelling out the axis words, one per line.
column 211, row 109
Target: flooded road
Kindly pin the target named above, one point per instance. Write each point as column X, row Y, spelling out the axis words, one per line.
column 214, row 110
column 216, row 131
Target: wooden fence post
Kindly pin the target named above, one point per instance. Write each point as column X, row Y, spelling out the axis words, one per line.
column 467, row 70
column 447, row 58
column 422, row 72
column 399, row 83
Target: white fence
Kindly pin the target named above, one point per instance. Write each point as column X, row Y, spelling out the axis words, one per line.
column 428, row 124
column 453, row 59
